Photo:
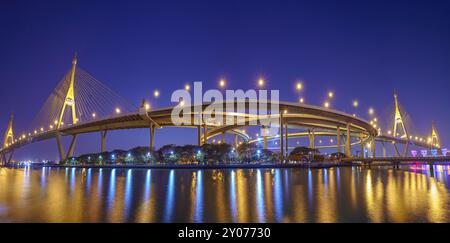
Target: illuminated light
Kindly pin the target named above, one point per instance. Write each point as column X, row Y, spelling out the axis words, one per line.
column 56, row 122
column 302, row 100
column 118, row 111
column 51, row 126
column 326, row 104
column 299, row 86
column 187, row 87
column 375, row 119
column 156, row 93
column 285, row 111
column 354, row 115
column 182, row 103
column 222, row 83
column 320, row 141
column 389, row 132
column 414, row 153
column 371, row 111
column 261, row 82
column 420, row 139
column 331, row 141
column 416, row 138
column 374, row 125
column 42, row 129
column 371, row 122
column 35, row 131
column 330, row 94
column 393, row 142
column 94, row 115
column 355, row 103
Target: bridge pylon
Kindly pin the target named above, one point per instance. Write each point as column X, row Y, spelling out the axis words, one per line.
column 400, row 125
column 69, row 100
column 434, row 136
column 9, row 135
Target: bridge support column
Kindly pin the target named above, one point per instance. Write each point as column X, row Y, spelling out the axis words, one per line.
column 152, row 137
column 265, row 142
column 338, row 138
column 373, row 147
column 348, row 151
column 62, row 154
column 361, row 139
column 205, row 133
column 103, row 141
column 71, row 147
column 281, row 136
column 199, row 135
column 405, row 151
column 286, row 139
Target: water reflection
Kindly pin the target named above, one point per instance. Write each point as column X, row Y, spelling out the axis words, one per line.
column 409, row 194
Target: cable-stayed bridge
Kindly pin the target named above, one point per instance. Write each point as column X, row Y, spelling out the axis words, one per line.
column 81, row 104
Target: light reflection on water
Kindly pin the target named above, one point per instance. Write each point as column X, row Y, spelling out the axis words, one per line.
column 417, row 193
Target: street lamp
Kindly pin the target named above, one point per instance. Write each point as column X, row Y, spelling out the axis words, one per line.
column 355, row 103
column 187, row 87
column 330, row 94
column 222, row 83
column 156, row 93
column 261, row 82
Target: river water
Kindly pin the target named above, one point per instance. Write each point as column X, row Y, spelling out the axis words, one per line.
column 345, row 194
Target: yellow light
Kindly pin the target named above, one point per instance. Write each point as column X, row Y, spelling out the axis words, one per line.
column 51, row 126
column 42, row 129
column 147, row 106
column 330, row 94
column 94, row 115
column 285, row 111
column 375, row 119
column 118, row 110
column 326, row 104
column 302, row 100
column 56, row 122
column 35, row 131
column 182, row 103
column 416, row 138
column 371, row 111
column 261, row 82
column 156, row 93
column 24, row 136
column 187, row 87
column 355, row 103
column 389, row 132
column 299, row 86
column 222, row 83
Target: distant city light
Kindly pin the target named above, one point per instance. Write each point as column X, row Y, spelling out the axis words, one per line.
column 355, row 103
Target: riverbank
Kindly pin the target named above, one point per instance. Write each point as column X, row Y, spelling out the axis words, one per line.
column 215, row 166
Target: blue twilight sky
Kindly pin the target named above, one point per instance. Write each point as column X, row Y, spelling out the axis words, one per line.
column 359, row 49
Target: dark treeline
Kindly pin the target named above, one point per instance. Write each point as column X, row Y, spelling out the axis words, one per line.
column 193, row 154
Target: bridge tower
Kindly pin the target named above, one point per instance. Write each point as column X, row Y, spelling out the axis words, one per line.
column 434, row 136
column 9, row 135
column 400, row 125
column 69, row 100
